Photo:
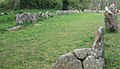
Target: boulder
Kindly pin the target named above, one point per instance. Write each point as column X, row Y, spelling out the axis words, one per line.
column 68, row 61
column 65, row 12
column 49, row 14
column 91, row 63
column 23, row 18
column 45, row 16
column 82, row 53
column 27, row 18
column 59, row 12
column 34, row 17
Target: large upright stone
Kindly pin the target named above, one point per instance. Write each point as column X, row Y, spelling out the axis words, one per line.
column 68, row 61
column 110, row 20
column 99, row 40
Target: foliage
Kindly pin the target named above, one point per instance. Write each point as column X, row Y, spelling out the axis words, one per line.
column 57, row 4
column 44, row 4
column 101, row 4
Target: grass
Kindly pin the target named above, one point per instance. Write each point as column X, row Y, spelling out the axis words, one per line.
column 7, row 21
column 38, row 46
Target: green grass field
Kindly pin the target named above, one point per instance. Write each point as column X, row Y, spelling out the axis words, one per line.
column 38, row 46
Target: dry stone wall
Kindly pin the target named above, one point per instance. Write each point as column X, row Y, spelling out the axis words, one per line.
column 84, row 58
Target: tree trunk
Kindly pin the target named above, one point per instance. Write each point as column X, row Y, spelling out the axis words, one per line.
column 17, row 5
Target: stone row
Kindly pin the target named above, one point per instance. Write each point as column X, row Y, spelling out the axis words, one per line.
column 84, row 58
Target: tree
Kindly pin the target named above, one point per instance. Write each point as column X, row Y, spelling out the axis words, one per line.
column 65, row 4
column 17, row 4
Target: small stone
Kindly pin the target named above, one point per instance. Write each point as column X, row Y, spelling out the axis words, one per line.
column 14, row 28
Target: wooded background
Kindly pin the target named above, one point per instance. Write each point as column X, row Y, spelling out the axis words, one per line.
column 57, row 4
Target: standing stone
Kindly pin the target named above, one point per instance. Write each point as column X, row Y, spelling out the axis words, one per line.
column 112, row 8
column 110, row 20
column 98, row 45
column 68, row 61
column 99, row 40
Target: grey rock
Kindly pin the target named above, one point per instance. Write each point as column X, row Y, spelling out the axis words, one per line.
column 29, row 17
column 91, row 63
column 87, row 11
column 59, row 12
column 68, row 61
column 110, row 20
column 82, row 53
column 102, row 62
column 101, row 11
column 14, row 28
column 45, row 16
column 98, row 45
column 96, row 53
column 99, row 40
column 20, row 19
column 65, row 12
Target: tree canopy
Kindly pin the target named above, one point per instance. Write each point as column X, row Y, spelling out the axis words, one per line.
column 56, row 4
column 45, row 4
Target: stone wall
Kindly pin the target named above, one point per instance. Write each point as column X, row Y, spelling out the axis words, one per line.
column 84, row 58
